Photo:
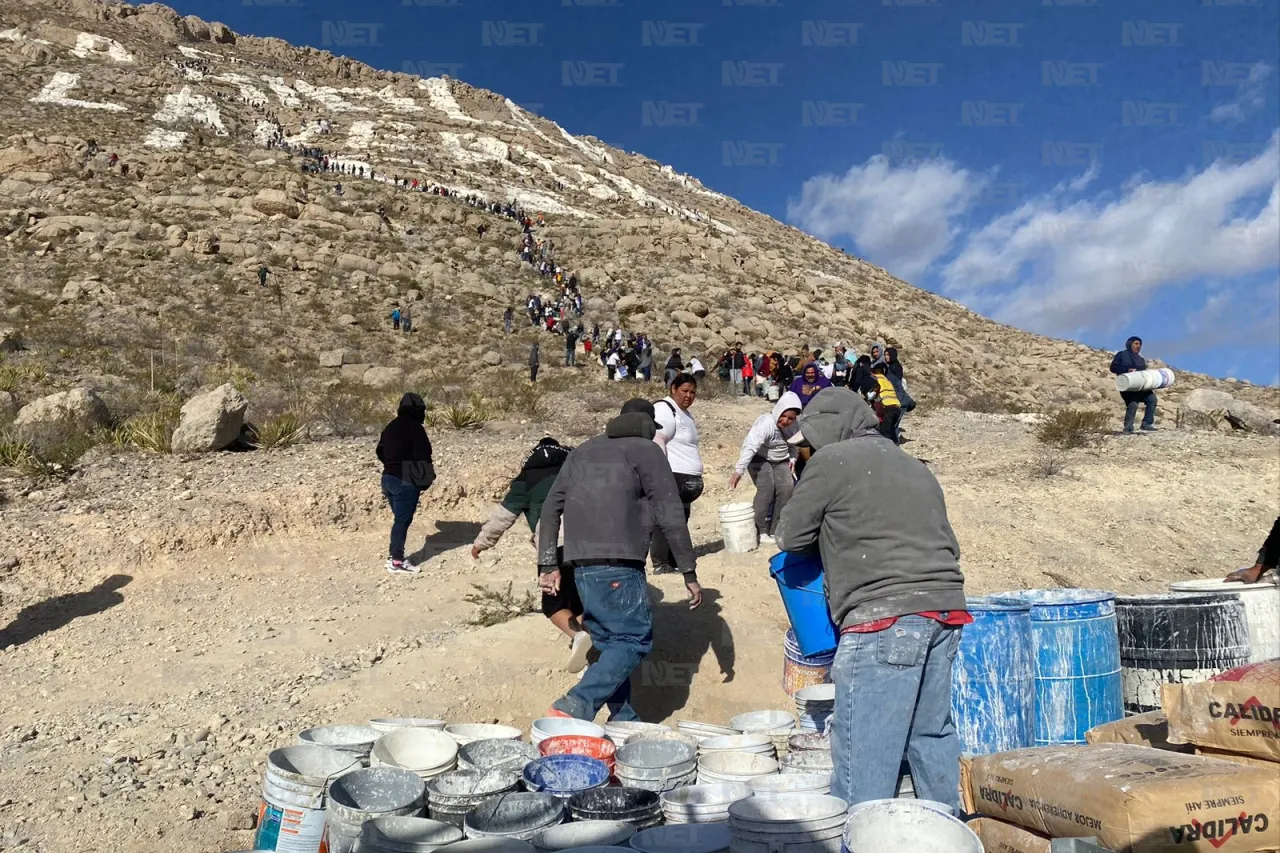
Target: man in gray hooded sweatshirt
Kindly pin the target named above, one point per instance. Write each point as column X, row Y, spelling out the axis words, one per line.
column 612, row 491
column 893, row 583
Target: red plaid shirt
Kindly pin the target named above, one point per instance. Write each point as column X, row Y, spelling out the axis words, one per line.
column 949, row 617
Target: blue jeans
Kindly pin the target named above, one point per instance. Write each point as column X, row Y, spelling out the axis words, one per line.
column 615, row 605
column 1131, row 411
column 893, row 695
column 402, row 497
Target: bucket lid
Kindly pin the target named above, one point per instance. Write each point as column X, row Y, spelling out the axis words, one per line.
column 1223, row 585
column 310, row 763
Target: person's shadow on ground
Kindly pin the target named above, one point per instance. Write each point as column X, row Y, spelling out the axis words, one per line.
column 681, row 639
column 54, row 613
column 448, row 535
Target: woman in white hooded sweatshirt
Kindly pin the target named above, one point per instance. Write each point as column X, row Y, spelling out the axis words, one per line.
column 770, row 460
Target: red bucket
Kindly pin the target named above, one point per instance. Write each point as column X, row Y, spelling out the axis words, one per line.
column 592, row 747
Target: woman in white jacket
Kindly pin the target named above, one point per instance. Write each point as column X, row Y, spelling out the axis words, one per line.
column 770, row 460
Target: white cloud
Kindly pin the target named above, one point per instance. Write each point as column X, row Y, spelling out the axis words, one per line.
column 903, row 218
column 1251, row 97
column 1058, row 265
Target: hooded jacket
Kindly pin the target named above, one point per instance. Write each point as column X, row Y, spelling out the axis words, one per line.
column 611, row 493
column 876, row 515
column 403, row 448
column 527, row 492
column 1127, row 360
column 764, row 439
column 891, row 364
column 804, row 389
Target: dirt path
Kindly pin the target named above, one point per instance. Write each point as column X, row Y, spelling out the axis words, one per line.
column 138, row 719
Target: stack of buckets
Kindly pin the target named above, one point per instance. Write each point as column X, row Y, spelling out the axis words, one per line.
column 809, row 648
column 291, row 816
column 814, row 706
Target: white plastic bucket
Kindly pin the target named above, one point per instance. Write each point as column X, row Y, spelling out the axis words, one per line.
column 774, row 392
column 758, row 744
column 344, row 737
column 390, row 724
column 571, row 836
column 406, row 835
column 548, row 727
column 791, row 823
column 1261, row 609
column 702, row 803
column 465, row 733
column 734, row 767
column 426, row 752
column 1145, row 380
column 363, row 795
column 906, row 825
column 693, row 838
column 291, row 814
column 791, row 783
column 738, row 527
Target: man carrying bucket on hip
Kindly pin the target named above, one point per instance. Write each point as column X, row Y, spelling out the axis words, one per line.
column 894, row 587
column 612, row 491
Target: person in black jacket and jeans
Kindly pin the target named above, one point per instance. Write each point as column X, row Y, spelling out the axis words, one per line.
column 1129, row 360
column 1268, row 559
column 405, row 453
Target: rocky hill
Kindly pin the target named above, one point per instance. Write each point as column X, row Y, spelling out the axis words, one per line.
column 150, row 163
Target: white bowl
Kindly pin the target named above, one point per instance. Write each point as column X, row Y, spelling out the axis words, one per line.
column 763, row 721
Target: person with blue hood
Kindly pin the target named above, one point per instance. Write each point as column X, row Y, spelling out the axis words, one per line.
column 405, row 453
column 1130, row 360
column 878, row 518
column 808, row 383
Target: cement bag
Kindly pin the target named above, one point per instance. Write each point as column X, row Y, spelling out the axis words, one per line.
column 1145, row 380
column 999, row 837
column 1150, row 729
column 1239, row 759
column 1236, row 711
column 1134, row 799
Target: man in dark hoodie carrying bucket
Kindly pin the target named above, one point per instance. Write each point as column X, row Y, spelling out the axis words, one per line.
column 1130, row 360
column 894, row 587
column 405, row 453
column 612, row 491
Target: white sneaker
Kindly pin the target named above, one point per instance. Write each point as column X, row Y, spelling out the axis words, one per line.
column 766, row 539
column 402, row 567
column 579, row 647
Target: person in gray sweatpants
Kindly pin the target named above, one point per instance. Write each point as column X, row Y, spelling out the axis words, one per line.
column 770, row 461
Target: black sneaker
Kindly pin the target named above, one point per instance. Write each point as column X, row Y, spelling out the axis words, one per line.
column 1150, row 429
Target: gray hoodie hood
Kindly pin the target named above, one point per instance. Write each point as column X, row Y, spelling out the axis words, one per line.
column 834, row 414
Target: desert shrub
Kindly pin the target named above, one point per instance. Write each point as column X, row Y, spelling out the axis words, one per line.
column 517, row 398
column 985, row 402
column 1072, row 428
column 346, row 414
column 284, row 430
column 454, row 416
column 53, row 453
column 1049, row 462
column 496, row 606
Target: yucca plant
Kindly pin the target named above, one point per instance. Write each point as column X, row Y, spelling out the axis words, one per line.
column 283, row 430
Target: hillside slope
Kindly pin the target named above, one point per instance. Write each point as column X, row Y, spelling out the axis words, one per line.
column 148, row 279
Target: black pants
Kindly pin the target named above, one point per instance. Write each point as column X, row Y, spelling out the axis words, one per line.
column 533, row 373
column 689, row 486
column 889, row 422
column 566, row 599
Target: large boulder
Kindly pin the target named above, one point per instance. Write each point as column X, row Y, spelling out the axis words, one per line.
column 210, row 421
column 8, row 407
column 54, row 419
column 629, row 303
column 491, row 358
column 1205, row 408
column 333, row 358
column 272, row 202
column 383, row 377
column 10, row 340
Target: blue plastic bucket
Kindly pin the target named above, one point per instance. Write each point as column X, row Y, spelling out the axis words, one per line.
column 800, row 581
column 993, row 680
column 1077, row 661
column 565, row 775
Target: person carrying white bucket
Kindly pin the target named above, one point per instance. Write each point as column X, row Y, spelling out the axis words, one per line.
column 1129, row 360
column 771, row 462
column 894, row 588
column 525, row 496
column 678, row 437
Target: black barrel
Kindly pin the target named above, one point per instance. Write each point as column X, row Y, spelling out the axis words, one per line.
column 1176, row 638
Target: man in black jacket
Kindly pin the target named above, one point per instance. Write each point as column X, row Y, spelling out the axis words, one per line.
column 405, row 453
column 611, row 492
column 1129, row 360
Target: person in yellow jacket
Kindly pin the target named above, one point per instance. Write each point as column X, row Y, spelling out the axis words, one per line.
column 887, row 404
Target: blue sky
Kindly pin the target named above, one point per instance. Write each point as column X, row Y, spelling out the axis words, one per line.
column 1086, row 170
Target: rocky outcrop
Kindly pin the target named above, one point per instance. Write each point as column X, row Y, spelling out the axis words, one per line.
column 210, row 421
column 383, row 377
column 1205, row 408
column 60, row 417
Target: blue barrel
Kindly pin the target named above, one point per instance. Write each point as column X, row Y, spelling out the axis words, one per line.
column 993, row 689
column 800, row 580
column 1077, row 670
